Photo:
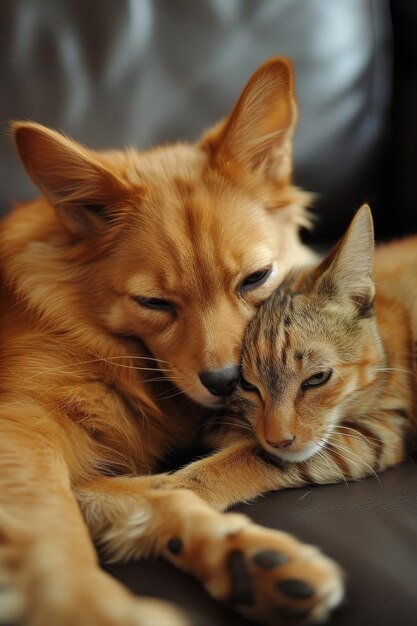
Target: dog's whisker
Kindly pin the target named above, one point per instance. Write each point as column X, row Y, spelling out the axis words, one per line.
column 171, row 379
column 136, row 356
column 179, row 392
column 65, row 368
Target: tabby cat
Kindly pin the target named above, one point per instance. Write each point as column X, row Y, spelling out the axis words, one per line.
column 328, row 388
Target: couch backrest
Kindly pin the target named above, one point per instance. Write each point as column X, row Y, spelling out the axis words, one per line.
column 141, row 72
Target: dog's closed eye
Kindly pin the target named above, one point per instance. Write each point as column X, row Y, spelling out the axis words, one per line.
column 256, row 279
column 156, row 304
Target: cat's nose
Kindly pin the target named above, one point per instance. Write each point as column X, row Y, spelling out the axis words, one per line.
column 221, row 382
column 283, row 443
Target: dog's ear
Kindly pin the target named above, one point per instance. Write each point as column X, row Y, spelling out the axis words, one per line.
column 83, row 191
column 258, row 132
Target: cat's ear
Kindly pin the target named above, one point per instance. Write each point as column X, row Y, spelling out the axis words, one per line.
column 346, row 273
column 257, row 134
column 82, row 190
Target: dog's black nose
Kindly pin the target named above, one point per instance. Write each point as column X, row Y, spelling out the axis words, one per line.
column 221, row 382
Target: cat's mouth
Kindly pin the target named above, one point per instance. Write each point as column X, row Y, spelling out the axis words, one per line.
column 294, row 456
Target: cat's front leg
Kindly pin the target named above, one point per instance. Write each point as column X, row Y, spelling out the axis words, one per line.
column 242, row 471
column 237, row 473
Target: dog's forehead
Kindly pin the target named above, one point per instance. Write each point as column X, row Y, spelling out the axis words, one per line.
column 195, row 249
column 178, row 180
column 197, row 226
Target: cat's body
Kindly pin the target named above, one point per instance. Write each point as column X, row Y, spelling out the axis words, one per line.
column 329, row 374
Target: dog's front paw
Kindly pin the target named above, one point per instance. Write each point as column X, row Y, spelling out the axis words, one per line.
column 266, row 575
column 270, row 576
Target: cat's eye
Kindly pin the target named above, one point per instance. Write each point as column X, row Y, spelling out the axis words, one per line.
column 255, row 280
column 157, row 304
column 247, row 386
column 318, row 379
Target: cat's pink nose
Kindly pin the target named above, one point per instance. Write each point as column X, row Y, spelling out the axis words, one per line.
column 284, row 443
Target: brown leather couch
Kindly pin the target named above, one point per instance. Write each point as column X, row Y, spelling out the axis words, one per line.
column 140, row 72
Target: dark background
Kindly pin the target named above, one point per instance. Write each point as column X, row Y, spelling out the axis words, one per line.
column 142, row 72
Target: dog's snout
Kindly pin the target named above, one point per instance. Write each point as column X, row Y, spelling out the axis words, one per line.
column 221, row 382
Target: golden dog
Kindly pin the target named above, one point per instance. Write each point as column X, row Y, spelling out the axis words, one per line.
column 126, row 290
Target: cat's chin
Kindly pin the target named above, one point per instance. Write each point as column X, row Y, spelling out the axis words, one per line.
column 295, row 456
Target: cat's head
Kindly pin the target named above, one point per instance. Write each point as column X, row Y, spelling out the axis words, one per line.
column 310, row 353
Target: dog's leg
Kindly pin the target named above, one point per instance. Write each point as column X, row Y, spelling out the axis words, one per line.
column 262, row 573
column 49, row 574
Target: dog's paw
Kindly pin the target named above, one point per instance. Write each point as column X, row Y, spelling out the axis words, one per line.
column 270, row 576
column 266, row 575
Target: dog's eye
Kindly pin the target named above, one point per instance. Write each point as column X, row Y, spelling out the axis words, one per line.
column 247, row 386
column 318, row 379
column 157, row 304
column 255, row 280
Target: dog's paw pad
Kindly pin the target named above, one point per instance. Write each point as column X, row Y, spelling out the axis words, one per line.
column 269, row 559
column 241, row 592
column 175, row 545
column 294, row 588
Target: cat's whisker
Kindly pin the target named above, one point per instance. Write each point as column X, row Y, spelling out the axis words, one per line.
column 356, row 434
column 359, row 435
column 352, row 429
column 329, row 460
column 347, row 451
column 392, row 369
column 386, row 444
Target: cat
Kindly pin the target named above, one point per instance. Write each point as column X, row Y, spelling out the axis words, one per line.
column 328, row 389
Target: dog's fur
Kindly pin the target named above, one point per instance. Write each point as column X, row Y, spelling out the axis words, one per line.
column 95, row 383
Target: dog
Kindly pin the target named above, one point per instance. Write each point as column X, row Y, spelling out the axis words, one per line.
column 126, row 291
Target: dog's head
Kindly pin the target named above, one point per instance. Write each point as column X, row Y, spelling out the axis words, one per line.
column 182, row 243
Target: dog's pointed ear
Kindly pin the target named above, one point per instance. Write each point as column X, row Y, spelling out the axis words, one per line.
column 258, row 132
column 346, row 273
column 82, row 190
